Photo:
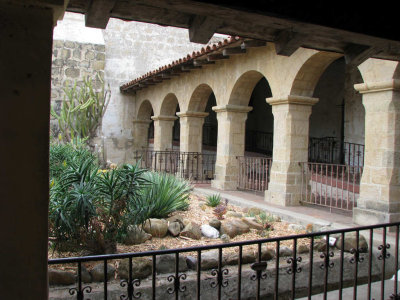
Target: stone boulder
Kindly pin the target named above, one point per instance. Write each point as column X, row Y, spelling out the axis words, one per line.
column 174, row 228
column 59, row 277
column 234, row 227
column 209, row 231
column 350, row 242
column 85, row 275
column 267, row 253
column 156, row 227
column 215, row 223
column 252, row 223
column 209, row 260
column 176, row 218
column 166, row 263
column 136, row 235
column 254, row 211
column 97, row 272
column 191, row 230
column 233, row 214
column 285, row 251
column 142, row 267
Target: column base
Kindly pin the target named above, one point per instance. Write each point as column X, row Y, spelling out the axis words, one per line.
column 362, row 216
column 224, row 185
column 281, row 198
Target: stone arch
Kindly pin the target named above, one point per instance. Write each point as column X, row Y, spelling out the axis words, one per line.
column 199, row 98
column 310, row 72
column 243, row 88
column 169, row 105
column 145, row 110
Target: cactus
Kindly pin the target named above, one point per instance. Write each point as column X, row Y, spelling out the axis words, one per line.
column 82, row 110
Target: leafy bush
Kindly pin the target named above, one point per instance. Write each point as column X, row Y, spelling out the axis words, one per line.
column 164, row 195
column 213, row 200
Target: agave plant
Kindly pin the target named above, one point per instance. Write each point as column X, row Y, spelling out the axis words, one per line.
column 213, row 200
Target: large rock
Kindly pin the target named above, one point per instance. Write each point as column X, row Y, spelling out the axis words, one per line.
column 166, row 263
column 174, row 228
column 285, row 251
column 350, row 242
column 156, row 227
column 252, row 223
column 215, row 223
column 209, row 231
column 136, row 235
column 254, row 211
column 142, row 267
column 267, row 253
column 234, row 227
column 97, row 272
column 178, row 219
column 59, row 277
column 85, row 275
column 191, row 230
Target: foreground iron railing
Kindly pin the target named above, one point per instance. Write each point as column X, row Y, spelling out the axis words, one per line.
column 254, row 173
column 193, row 166
column 257, row 269
column 334, row 186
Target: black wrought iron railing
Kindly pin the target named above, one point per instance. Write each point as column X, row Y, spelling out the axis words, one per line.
column 285, row 267
column 193, row 166
column 259, row 141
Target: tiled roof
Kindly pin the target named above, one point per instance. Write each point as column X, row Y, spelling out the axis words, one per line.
column 177, row 66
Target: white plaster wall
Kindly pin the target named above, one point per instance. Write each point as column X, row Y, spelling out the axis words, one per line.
column 72, row 28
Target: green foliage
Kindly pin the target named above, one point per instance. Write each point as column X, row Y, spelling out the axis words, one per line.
column 165, row 195
column 213, row 200
column 82, row 110
column 93, row 208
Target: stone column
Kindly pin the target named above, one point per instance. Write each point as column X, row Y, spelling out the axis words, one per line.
column 140, row 134
column 291, row 127
column 191, row 137
column 163, row 132
column 191, row 140
column 231, row 142
column 379, row 200
column 25, row 76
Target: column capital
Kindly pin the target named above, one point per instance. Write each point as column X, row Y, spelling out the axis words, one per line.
column 232, row 108
column 192, row 114
column 138, row 121
column 164, row 118
column 375, row 87
column 292, row 99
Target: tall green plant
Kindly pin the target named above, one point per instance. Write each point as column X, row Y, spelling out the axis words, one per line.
column 82, row 110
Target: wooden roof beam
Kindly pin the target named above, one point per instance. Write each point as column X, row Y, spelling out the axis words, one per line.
column 287, row 42
column 233, row 51
column 215, row 57
column 253, row 44
column 355, row 54
column 98, row 13
column 202, row 28
column 201, row 62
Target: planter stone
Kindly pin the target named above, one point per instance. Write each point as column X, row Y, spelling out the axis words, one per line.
column 320, row 245
column 267, row 253
column 59, row 277
column 248, row 257
column 136, row 235
column 178, row 219
column 86, row 277
column 303, row 249
column 191, row 230
column 141, row 268
column 166, row 263
column 97, row 272
column 209, row 260
column 234, row 227
column 156, row 227
column 174, row 228
column 209, row 231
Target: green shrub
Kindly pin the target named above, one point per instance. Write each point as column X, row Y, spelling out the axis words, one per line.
column 164, row 195
column 213, row 200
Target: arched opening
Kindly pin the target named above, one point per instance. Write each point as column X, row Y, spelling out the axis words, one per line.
column 336, row 139
column 337, row 121
column 169, row 108
column 144, row 124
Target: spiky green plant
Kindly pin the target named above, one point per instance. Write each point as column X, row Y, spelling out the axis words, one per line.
column 82, row 110
column 164, row 195
column 213, row 200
